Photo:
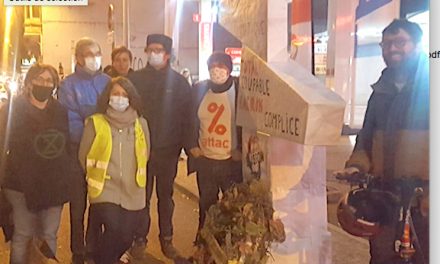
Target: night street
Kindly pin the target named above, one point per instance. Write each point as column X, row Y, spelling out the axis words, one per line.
column 186, row 217
column 185, row 224
column 304, row 126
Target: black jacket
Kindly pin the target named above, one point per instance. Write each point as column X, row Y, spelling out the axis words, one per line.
column 198, row 92
column 394, row 140
column 36, row 160
column 165, row 97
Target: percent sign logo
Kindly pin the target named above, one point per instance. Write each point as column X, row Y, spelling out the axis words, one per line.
column 214, row 126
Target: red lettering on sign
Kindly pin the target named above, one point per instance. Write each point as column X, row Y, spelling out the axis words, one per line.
column 251, row 104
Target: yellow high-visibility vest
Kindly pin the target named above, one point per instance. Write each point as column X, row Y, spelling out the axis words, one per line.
column 99, row 156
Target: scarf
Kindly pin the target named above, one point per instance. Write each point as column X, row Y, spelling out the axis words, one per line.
column 121, row 119
column 220, row 88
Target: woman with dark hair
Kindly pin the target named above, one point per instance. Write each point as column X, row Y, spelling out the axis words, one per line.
column 131, row 93
column 35, row 164
column 114, row 150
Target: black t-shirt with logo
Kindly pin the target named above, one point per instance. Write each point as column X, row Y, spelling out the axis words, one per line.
column 37, row 162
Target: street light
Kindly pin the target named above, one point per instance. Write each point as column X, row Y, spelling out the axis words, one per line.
column 7, row 35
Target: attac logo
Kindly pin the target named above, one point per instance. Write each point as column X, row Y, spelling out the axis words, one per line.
column 219, row 129
column 45, row 2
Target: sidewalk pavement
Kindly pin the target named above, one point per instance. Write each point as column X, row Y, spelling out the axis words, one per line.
column 346, row 249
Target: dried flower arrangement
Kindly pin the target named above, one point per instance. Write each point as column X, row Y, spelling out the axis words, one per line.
column 240, row 228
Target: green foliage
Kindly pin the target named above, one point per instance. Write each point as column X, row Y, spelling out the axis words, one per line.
column 240, row 227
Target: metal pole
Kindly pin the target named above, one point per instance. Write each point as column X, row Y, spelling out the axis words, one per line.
column 312, row 37
column 110, row 25
column 126, row 23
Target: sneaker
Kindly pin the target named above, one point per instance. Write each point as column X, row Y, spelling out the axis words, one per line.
column 138, row 249
column 125, row 258
column 168, row 249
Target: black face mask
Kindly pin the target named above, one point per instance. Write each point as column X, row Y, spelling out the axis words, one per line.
column 41, row 93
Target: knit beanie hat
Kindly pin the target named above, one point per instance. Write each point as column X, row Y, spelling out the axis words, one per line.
column 220, row 58
column 166, row 41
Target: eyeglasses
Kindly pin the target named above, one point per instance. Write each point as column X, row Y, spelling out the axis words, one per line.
column 92, row 54
column 398, row 43
column 45, row 82
column 155, row 50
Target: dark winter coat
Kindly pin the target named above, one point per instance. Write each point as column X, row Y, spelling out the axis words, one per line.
column 36, row 160
column 165, row 98
column 394, row 140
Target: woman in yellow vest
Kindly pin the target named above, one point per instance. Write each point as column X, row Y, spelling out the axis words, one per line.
column 114, row 151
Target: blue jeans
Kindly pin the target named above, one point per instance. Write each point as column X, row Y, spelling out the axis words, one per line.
column 43, row 224
column 117, row 235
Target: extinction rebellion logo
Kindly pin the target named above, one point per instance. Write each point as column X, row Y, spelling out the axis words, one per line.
column 46, row 2
column 50, row 144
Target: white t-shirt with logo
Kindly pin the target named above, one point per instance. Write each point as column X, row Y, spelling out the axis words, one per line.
column 216, row 115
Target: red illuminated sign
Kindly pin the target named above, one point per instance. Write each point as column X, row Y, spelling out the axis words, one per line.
column 205, row 32
column 235, row 54
column 196, row 18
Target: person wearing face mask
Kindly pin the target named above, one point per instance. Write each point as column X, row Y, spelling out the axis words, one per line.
column 79, row 93
column 114, row 150
column 214, row 138
column 35, row 163
column 121, row 61
column 165, row 101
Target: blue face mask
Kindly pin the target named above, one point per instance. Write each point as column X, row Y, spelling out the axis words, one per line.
column 119, row 103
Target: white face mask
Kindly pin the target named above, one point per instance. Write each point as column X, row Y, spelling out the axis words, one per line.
column 119, row 103
column 93, row 63
column 218, row 75
column 156, row 59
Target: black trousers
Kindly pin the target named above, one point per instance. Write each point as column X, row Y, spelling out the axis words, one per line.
column 214, row 176
column 162, row 170
column 117, row 227
column 78, row 203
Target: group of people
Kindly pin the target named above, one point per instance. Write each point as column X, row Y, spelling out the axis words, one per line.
column 107, row 138
column 110, row 136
